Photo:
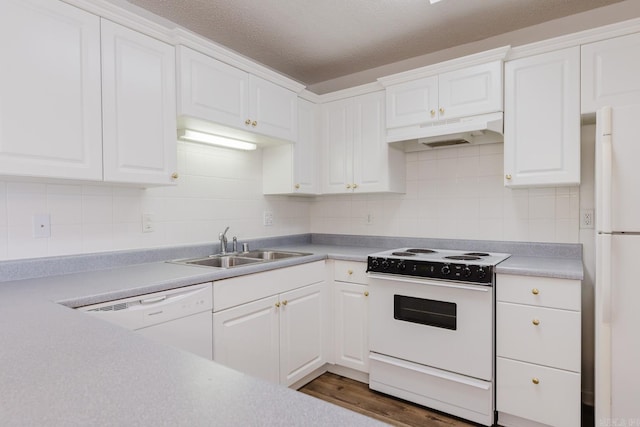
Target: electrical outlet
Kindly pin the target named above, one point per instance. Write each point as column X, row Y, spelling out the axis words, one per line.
column 41, row 226
column 267, row 218
column 587, row 220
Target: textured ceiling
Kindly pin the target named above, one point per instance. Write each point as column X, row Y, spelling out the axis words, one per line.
column 318, row 40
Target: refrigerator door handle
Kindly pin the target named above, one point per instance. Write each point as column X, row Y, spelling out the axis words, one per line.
column 604, row 170
column 604, row 279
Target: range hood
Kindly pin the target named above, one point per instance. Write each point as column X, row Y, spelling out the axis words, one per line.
column 481, row 129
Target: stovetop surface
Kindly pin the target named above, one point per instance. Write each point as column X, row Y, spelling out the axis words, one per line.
column 470, row 257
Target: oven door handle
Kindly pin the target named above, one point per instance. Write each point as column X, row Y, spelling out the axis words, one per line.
column 484, row 385
column 479, row 288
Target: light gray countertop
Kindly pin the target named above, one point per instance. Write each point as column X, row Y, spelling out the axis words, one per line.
column 562, row 268
column 62, row 367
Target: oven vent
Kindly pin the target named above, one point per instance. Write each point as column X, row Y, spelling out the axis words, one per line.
column 114, row 307
column 445, row 143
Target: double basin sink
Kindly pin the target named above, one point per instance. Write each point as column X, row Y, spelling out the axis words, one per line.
column 240, row 258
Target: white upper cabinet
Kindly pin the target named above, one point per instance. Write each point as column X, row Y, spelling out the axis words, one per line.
column 610, row 70
column 273, row 110
column 460, row 93
column 293, row 168
column 211, row 90
column 64, row 115
column 217, row 93
column 356, row 157
column 50, row 124
column 139, row 113
column 542, row 120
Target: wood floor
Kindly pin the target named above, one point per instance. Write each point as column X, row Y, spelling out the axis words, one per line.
column 357, row 397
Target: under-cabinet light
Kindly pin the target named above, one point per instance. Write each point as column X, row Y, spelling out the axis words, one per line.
column 433, row 1
column 220, row 141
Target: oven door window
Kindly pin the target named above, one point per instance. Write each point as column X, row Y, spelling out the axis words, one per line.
column 440, row 314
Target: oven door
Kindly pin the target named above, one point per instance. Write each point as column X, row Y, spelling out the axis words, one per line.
column 435, row 323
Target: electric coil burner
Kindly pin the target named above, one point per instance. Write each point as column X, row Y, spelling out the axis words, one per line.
column 477, row 267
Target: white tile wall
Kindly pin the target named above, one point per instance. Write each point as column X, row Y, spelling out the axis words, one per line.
column 451, row 193
column 217, row 187
column 456, row 193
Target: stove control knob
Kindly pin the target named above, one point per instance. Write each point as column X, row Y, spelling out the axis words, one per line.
column 401, row 266
column 445, row 270
column 466, row 272
column 375, row 263
column 481, row 273
column 385, row 264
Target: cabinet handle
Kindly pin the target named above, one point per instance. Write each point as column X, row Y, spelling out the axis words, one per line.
column 508, row 176
column 284, row 302
column 535, row 291
column 277, row 305
column 433, row 112
column 349, row 272
column 247, row 122
column 348, row 186
column 355, row 186
column 174, row 175
column 366, row 293
column 254, row 123
column 535, row 381
column 536, row 322
column 441, row 110
column 297, row 186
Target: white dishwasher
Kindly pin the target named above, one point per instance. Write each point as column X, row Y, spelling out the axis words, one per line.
column 178, row 317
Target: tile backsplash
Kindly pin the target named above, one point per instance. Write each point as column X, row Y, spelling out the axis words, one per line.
column 451, row 193
column 217, row 188
column 455, row 193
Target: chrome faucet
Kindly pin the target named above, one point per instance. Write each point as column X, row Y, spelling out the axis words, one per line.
column 223, row 241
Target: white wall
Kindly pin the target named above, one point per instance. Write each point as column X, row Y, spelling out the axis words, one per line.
column 456, row 193
column 217, row 187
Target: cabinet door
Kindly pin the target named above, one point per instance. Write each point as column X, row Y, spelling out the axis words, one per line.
column 246, row 338
column 369, row 147
column 470, row 91
column 610, row 70
column 293, row 168
column 412, row 103
column 273, row 110
column 306, row 162
column 542, row 120
column 211, row 90
column 303, row 332
column 351, row 326
column 50, row 124
column 139, row 115
column 337, row 139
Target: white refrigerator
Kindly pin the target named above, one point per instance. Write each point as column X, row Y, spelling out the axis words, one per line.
column 617, row 317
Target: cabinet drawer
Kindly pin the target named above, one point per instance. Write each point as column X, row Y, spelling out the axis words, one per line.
column 351, row 271
column 554, row 341
column 555, row 400
column 251, row 287
column 539, row 291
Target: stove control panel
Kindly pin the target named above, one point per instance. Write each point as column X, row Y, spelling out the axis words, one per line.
column 458, row 272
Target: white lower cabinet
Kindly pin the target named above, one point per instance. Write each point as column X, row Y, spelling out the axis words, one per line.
column 351, row 304
column 538, row 349
column 281, row 337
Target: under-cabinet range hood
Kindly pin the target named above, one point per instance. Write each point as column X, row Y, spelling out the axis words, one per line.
column 481, row 129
